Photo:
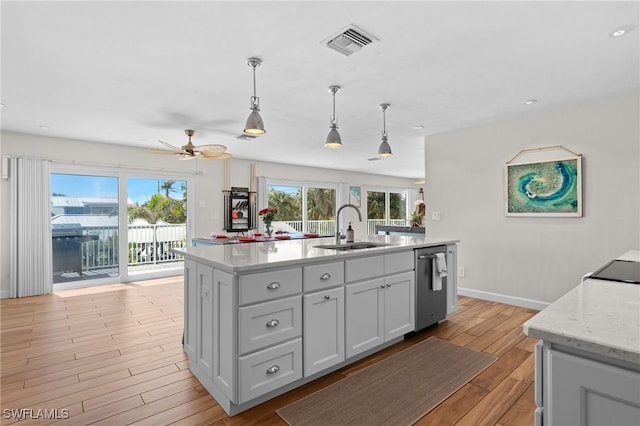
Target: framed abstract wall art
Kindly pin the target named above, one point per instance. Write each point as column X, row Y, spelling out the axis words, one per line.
column 354, row 195
column 551, row 188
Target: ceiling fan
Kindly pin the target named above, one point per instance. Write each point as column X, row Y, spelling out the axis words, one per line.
column 191, row 151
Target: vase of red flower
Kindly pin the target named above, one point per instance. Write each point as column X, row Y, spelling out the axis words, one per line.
column 267, row 217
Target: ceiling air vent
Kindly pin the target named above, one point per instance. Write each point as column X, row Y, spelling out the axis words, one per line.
column 349, row 41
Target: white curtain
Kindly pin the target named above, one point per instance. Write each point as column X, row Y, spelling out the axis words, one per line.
column 31, row 254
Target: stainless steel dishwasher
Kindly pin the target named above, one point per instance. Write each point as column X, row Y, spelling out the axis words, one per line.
column 431, row 305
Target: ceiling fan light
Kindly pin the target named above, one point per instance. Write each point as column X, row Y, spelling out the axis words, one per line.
column 333, row 138
column 254, row 125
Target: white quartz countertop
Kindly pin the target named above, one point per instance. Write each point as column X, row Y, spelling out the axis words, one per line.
column 244, row 257
column 597, row 316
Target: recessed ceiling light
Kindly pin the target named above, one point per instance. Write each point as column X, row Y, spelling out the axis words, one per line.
column 620, row 31
column 2, row 105
column 530, row 101
column 418, row 127
column 44, row 127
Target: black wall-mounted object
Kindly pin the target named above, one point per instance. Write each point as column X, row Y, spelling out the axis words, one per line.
column 240, row 213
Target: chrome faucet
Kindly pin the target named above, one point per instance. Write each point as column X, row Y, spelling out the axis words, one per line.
column 338, row 234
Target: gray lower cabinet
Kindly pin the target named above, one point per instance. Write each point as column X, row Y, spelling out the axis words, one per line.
column 379, row 310
column 577, row 390
column 323, row 329
column 452, row 278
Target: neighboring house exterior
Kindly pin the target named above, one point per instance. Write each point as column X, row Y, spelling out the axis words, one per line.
column 83, row 205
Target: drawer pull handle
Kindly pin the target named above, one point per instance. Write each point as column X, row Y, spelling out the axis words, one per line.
column 327, row 297
column 273, row 286
column 273, row 323
column 326, row 276
column 273, row 369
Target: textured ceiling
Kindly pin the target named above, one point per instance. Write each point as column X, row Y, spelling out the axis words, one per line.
column 134, row 72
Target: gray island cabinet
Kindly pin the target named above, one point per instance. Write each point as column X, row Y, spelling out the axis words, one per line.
column 263, row 318
column 587, row 364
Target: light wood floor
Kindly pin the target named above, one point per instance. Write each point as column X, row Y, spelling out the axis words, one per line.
column 112, row 355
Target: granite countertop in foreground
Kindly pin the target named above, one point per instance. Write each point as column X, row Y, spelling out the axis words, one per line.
column 597, row 316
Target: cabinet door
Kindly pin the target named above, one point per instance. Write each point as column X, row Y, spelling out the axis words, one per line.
column 452, row 279
column 204, row 314
column 399, row 306
column 323, row 344
column 364, row 316
column 224, row 333
column 190, row 301
column 587, row 392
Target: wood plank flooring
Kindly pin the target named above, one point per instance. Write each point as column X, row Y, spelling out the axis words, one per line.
column 112, row 355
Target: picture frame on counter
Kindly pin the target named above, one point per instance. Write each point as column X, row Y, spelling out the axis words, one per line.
column 544, row 188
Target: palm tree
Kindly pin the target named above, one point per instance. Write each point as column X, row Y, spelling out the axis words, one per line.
column 167, row 187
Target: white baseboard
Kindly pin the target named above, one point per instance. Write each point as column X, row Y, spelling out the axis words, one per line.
column 501, row 298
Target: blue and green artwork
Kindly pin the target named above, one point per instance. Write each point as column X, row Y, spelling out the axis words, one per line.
column 545, row 188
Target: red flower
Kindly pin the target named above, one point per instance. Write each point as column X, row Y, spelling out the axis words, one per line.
column 266, row 211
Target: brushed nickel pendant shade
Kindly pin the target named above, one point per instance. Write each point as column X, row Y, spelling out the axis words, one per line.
column 384, row 150
column 334, row 140
column 254, row 125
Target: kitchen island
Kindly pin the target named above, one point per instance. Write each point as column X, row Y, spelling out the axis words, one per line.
column 588, row 362
column 264, row 318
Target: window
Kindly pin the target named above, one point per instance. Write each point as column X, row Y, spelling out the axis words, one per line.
column 303, row 207
column 386, row 207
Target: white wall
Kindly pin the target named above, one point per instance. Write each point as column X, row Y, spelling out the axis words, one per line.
column 537, row 259
column 208, row 200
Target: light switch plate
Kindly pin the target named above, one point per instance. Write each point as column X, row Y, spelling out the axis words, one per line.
column 435, row 215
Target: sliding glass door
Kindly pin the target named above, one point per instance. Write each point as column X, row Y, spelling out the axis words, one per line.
column 115, row 227
column 156, row 224
column 84, row 227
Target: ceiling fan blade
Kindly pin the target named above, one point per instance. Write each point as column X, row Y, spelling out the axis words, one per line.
column 160, row 151
column 211, row 149
column 221, row 156
column 373, row 159
column 168, row 145
column 187, row 157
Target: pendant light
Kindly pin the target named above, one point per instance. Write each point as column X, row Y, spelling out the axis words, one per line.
column 384, row 150
column 333, row 138
column 254, row 126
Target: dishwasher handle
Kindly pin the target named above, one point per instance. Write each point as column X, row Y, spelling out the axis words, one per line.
column 427, row 256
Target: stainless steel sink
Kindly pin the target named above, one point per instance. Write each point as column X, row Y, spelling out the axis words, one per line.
column 352, row 246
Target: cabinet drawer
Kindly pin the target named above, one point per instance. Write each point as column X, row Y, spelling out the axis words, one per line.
column 269, row 285
column 398, row 262
column 366, row 267
column 267, row 370
column 318, row 277
column 269, row 323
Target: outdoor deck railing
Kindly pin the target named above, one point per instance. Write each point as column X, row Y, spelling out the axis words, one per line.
column 148, row 244
column 152, row 244
column 327, row 227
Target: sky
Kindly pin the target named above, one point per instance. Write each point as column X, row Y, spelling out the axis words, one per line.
column 139, row 189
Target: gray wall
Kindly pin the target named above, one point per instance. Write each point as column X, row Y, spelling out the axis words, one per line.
column 537, row 259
